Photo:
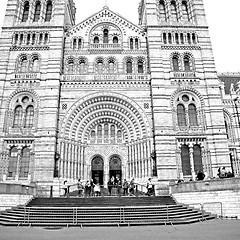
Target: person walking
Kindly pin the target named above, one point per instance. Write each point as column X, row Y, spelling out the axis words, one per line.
column 65, row 188
column 80, row 188
column 125, row 187
column 149, row 187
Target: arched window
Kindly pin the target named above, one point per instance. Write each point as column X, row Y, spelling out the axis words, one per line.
column 49, row 8
column 96, row 40
column 16, row 39
column 93, row 134
column 181, row 115
column 192, row 113
column 18, row 117
column 185, row 12
column 100, row 67
column 29, row 117
column 99, row 131
column 119, row 136
column 194, row 40
column 33, row 39
column 112, row 132
column 46, row 38
column 173, row 8
column 176, row 38
column 24, row 163
column 13, row 162
column 70, row 66
column 35, row 65
column 106, row 131
column 111, row 66
column 74, row 43
column 28, row 39
column 79, row 43
column 164, row 38
column 181, row 38
column 227, row 128
column 105, row 36
column 131, row 43
column 115, row 39
column 136, row 43
column 37, row 12
column 169, row 38
column 197, row 157
column 129, row 66
column 23, row 65
column 185, row 157
column 140, row 66
column 40, row 38
column 186, row 62
column 162, row 10
column 25, row 12
column 82, row 67
column 175, row 63
column 189, row 38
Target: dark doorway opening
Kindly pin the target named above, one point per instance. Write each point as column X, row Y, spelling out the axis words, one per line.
column 115, row 167
column 97, row 170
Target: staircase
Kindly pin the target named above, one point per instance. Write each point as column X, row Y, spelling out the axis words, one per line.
column 101, row 211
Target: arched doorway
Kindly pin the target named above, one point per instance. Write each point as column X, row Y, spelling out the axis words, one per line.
column 97, row 170
column 115, row 167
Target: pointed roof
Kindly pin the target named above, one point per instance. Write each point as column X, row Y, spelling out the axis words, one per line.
column 106, row 15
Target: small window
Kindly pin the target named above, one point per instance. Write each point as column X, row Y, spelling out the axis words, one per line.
column 194, row 40
column 74, row 43
column 100, row 67
column 46, row 38
column 169, row 38
column 115, row 39
column 140, row 67
column 131, row 43
column 175, row 62
column 189, row 38
column 33, row 39
column 185, row 12
column 111, row 67
column 35, row 65
column 105, row 36
column 82, row 67
column 192, row 112
column 25, row 12
column 181, row 38
column 162, row 10
column 37, row 12
column 79, row 43
column 96, row 40
column 70, row 66
column 29, row 117
column 173, row 8
column 186, row 61
column 40, row 38
column 164, row 38
column 18, row 117
column 181, row 115
column 16, row 39
column 28, row 39
column 176, row 38
column 48, row 15
column 136, row 44
column 23, row 65
column 129, row 66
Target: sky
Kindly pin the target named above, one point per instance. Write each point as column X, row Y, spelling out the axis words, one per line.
column 223, row 18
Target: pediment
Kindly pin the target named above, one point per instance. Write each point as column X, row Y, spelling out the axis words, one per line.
column 105, row 16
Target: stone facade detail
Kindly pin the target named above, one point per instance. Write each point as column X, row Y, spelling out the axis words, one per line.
column 107, row 97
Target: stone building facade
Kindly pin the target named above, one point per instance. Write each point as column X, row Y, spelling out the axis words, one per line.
column 107, row 97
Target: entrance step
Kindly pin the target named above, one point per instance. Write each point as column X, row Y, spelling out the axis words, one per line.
column 101, row 211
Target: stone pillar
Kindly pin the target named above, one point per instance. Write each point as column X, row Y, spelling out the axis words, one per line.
column 179, row 163
column 192, row 163
column 18, row 163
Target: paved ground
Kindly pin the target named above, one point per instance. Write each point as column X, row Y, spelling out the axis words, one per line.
column 211, row 230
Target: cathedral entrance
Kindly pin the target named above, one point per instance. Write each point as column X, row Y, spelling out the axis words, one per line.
column 115, row 167
column 97, row 170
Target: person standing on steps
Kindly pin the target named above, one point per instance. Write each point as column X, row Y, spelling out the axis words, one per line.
column 149, row 187
column 80, row 188
column 110, row 186
column 125, row 187
column 65, row 188
column 131, row 187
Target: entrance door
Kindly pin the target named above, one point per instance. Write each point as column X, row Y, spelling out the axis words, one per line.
column 115, row 167
column 97, row 170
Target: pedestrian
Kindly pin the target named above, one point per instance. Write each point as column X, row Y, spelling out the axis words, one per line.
column 110, row 186
column 80, row 188
column 149, row 187
column 200, row 175
column 97, row 190
column 119, row 186
column 125, row 187
column 92, row 187
column 131, row 187
column 88, row 188
column 65, row 188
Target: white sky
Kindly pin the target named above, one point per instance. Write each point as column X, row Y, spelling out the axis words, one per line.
column 223, row 19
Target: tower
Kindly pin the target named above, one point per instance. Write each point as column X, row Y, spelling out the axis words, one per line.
column 189, row 127
column 31, row 44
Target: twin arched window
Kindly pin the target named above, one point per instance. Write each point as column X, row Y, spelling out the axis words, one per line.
column 187, row 63
column 186, row 111
column 162, row 10
column 24, row 113
column 29, row 65
column 134, row 43
column 37, row 11
column 23, row 162
column 197, row 159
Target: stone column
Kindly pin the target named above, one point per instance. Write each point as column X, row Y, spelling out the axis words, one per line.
column 192, row 163
column 18, row 162
column 179, row 163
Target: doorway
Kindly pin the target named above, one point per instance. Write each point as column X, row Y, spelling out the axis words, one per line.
column 97, row 170
column 115, row 167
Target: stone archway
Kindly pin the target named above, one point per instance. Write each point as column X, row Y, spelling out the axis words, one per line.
column 97, row 168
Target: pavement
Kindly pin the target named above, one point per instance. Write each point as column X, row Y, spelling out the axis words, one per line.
column 210, row 230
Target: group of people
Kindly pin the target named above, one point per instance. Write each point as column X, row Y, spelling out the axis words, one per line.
column 125, row 188
column 223, row 173
column 90, row 188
